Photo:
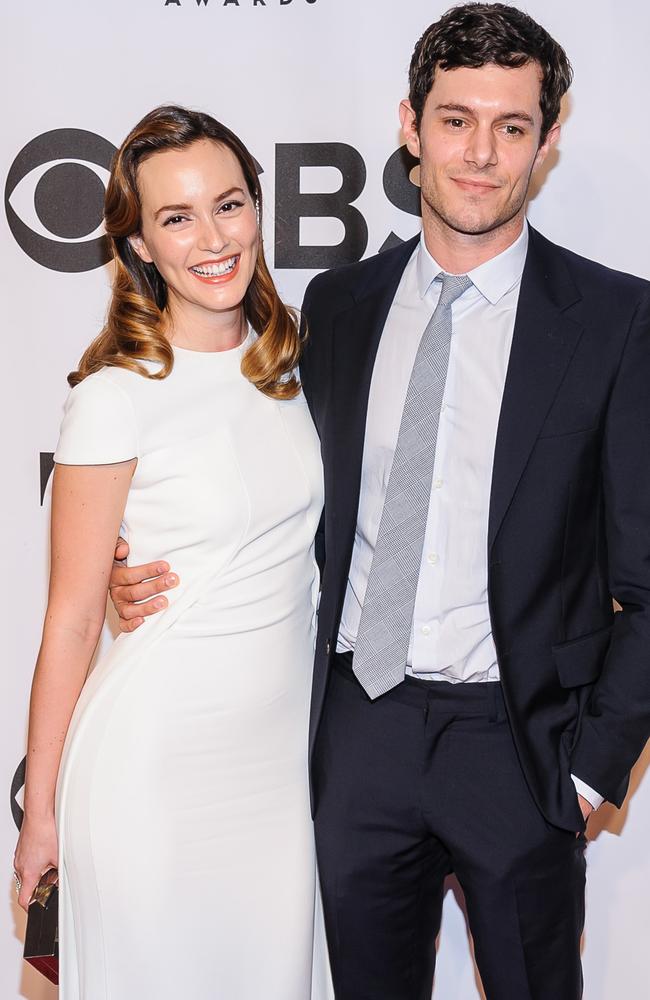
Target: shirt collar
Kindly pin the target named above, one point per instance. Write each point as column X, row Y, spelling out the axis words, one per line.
column 492, row 279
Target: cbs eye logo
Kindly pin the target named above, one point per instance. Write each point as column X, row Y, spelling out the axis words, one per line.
column 54, row 199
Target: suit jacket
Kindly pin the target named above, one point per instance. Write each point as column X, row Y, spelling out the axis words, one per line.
column 569, row 517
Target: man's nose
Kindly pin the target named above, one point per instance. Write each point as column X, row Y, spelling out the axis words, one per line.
column 481, row 147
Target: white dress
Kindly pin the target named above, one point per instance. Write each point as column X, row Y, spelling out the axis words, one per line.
column 186, row 852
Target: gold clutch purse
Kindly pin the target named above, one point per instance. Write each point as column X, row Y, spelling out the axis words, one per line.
column 42, row 934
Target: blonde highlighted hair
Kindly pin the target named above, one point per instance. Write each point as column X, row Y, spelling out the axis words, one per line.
column 136, row 317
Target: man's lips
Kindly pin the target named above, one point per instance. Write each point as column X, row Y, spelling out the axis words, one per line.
column 476, row 187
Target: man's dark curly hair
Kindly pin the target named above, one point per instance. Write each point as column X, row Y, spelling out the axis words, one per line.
column 475, row 34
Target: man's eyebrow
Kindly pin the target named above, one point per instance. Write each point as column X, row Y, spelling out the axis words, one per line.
column 462, row 108
column 520, row 116
column 185, row 208
column 517, row 115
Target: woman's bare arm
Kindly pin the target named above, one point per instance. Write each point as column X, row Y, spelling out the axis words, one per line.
column 87, row 507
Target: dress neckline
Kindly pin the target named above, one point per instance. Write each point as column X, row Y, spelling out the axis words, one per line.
column 215, row 357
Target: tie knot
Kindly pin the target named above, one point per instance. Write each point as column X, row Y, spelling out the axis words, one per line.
column 453, row 286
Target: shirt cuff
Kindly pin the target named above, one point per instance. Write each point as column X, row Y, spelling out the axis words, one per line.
column 592, row 797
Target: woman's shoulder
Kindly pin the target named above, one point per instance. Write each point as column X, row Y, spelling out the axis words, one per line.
column 99, row 421
column 122, row 379
column 120, row 385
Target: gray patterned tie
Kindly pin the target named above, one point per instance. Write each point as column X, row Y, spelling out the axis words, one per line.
column 384, row 634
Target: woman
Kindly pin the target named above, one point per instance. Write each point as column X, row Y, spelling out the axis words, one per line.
column 183, row 836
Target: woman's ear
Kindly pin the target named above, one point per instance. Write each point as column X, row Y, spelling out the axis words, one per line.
column 138, row 244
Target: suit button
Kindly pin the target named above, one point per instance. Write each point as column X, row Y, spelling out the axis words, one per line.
column 327, row 648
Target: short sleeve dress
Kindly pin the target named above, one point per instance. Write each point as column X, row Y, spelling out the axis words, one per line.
column 186, row 852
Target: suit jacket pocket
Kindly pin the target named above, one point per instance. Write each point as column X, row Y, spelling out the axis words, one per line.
column 579, row 661
column 555, row 435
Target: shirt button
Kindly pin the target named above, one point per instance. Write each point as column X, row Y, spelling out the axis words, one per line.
column 426, row 630
column 443, row 407
column 438, row 483
column 432, row 558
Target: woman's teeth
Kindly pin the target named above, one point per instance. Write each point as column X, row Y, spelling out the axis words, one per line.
column 215, row 270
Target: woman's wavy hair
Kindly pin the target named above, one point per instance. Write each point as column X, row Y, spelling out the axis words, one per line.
column 133, row 332
column 474, row 34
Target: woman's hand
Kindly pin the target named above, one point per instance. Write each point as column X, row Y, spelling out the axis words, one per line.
column 36, row 851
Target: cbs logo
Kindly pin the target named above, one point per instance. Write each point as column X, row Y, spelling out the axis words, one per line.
column 58, row 180
column 54, row 199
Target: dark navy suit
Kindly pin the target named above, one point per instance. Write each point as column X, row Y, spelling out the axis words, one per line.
column 569, row 528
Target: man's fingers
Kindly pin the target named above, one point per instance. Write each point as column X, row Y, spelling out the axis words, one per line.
column 137, row 592
column 142, row 592
column 121, row 550
column 130, row 626
column 128, row 612
column 133, row 615
column 126, row 576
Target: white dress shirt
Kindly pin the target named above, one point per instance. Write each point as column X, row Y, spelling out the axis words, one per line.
column 451, row 638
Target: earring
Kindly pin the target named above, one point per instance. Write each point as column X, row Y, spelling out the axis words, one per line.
column 257, row 210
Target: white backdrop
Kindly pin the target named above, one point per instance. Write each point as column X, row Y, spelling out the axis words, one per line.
column 280, row 72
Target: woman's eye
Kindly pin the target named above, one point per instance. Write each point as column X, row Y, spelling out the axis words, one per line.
column 230, row 206
column 173, row 219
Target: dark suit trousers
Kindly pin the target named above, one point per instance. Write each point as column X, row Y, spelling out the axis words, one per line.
column 422, row 782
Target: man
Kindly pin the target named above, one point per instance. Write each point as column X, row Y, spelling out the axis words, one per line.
column 482, row 401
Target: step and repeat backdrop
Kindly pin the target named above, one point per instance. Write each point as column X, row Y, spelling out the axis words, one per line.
column 312, row 86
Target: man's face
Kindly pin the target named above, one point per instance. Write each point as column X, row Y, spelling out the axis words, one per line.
column 478, row 145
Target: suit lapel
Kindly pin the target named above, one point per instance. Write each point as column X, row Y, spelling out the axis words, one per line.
column 544, row 341
column 357, row 333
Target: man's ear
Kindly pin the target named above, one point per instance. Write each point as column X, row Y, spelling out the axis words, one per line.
column 138, row 244
column 552, row 137
column 409, row 128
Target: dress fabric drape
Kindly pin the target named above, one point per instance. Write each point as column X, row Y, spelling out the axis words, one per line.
column 186, row 849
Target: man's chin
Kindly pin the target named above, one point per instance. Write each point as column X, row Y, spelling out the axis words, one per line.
column 472, row 224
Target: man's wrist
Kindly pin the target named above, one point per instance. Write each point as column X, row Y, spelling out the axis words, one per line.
column 594, row 798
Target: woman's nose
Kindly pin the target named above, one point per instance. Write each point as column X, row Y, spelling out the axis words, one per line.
column 213, row 236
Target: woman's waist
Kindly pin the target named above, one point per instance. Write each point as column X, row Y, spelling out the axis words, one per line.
column 217, row 618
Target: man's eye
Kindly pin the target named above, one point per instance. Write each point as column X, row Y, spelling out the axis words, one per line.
column 513, row 130
column 456, row 122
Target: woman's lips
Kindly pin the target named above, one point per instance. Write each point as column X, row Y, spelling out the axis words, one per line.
column 216, row 279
